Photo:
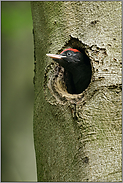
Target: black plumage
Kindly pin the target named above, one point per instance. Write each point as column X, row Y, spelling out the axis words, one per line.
column 77, row 74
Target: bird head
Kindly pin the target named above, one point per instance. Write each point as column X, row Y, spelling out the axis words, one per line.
column 67, row 58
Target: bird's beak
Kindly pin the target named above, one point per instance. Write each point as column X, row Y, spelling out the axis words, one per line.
column 56, row 56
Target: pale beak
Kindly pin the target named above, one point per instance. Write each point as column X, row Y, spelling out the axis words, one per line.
column 56, row 56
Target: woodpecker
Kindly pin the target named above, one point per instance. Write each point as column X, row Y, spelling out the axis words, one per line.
column 77, row 69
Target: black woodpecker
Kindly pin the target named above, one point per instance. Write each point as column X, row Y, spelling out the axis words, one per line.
column 77, row 69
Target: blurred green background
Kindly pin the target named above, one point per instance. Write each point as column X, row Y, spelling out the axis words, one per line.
column 18, row 155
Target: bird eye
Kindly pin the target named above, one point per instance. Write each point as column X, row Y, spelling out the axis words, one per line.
column 69, row 54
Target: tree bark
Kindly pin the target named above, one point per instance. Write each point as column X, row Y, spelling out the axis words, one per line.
column 78, row 137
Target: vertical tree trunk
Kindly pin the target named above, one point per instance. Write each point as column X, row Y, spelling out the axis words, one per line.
column 78, row 137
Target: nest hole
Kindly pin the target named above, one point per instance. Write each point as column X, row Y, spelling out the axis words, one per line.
column 79, row 80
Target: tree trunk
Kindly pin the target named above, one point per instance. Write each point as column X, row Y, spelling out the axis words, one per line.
column 78, row 137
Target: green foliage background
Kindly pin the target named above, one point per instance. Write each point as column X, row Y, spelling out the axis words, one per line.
column 18, row 156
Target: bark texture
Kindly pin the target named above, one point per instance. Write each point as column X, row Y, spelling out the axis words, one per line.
column 78, row 137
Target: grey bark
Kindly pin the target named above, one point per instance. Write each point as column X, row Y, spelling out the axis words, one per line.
column 78, row 137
